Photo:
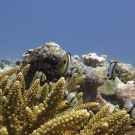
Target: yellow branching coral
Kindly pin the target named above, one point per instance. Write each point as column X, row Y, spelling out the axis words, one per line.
column 51, row 85
column 20, row 78
column 9, row 72
column 105, row 123
column 88, row 106
column 34, row 78
column 42, row 93
column 74, row 81
column 25, row 70
column 3, row 83
column 80, row 98
column 101, row 114
column 43, row 110
column 11, row 110
column 63, row 123
column 62, row 106
column 29, row 97
column 3, row 131
column 1, row 107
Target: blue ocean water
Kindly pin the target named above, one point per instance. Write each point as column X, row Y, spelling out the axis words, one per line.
column 79, row 27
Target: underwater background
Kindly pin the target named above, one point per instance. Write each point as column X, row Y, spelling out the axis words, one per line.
column 79, row 27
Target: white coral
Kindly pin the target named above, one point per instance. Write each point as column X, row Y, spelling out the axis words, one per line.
column 128, row 104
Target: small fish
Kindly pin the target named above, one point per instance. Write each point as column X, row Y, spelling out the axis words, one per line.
column 113, row 70
column 72, row 99
column 131, row 106
column 18, row 62
column 41, row 76
column 72, row 71
column 64, row 64
column 2, row 65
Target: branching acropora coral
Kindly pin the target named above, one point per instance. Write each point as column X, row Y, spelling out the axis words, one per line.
column 74, row 81
column 43, row 110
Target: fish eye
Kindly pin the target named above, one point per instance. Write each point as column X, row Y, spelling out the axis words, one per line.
column 64, row 61
column 74, row 102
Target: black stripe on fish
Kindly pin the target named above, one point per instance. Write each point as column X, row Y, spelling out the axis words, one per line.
column 73, row 97
column 71, row 100
column 113, row 69
column 41, row 76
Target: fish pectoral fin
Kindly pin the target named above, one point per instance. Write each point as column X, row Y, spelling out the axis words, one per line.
column 108, row 75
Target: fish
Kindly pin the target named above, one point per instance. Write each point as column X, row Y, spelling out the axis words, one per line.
column 72, row 71
column 72, row 99
column 64, row 64
column 113, row 70
column 41, row 76
column 2, row 65
column 18, row 62
column 130, row 106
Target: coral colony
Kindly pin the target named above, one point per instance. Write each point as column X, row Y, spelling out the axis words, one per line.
column 35, row 99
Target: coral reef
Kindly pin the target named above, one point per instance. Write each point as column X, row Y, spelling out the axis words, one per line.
column 124, row 90
column 109, row 87
column 115, row 91
column 42, row 110
column 45, row 58
column 91, row 82
column 103, row 102
column 93, row 60
column 127, row 72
